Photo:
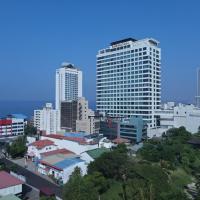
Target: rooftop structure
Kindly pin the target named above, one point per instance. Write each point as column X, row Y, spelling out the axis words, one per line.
column 9, row 184
column 42, row 143
column 8, row 180
column 57, row 151
column 95, row 153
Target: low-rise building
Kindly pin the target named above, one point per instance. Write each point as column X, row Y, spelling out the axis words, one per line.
column 36, row 148
column 12, row 125
column 60, row 164
column 9, row 184
column 76, row 144
column 47, row 119
column 133, row 129
column 175, row 116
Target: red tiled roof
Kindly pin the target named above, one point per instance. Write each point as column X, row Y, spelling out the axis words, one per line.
column 42, row 143
column 120, row 140
column 62, row 137
column 7, row 180
column 61, row 151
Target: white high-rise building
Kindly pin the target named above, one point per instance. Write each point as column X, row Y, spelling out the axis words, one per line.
column 129, row 79
column 68, row 84
column 198, row 89
column 47, row 119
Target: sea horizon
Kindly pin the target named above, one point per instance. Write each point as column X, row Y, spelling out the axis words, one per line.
column 26, row 107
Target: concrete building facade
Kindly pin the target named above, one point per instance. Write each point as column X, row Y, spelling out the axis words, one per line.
column 68, row 84
column 47, row 119
column 129, row 79
column 76, row 116
column 175, row 116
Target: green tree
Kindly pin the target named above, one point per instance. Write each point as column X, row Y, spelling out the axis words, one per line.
column 79, row 188
column 30, row 130
column 17, row 148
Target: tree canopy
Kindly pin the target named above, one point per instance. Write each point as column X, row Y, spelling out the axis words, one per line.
column 161, row 170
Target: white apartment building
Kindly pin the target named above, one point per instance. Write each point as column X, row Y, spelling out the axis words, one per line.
column 12, row 125
column 129, row 79
column 171, row 116
column 68, row 83
column 47, row 119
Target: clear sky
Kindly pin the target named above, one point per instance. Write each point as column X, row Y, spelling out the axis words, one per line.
column 36, row 36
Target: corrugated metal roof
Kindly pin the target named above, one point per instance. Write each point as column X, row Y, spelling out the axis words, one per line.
column 95, row 153
column 68, row 162
column 8, row 180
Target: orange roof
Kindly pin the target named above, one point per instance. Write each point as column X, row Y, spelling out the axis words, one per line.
column 61, row 151
column 120, row 141
column 42, row 143
column 62, row 137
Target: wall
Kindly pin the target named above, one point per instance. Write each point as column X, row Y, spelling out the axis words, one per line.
column 11, row 190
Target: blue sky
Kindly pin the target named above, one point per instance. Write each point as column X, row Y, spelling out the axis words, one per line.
column 37, row 36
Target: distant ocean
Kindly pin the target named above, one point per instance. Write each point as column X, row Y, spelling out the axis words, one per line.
column 26, row 107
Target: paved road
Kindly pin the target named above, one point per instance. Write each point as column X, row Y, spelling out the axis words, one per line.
column 33, row 179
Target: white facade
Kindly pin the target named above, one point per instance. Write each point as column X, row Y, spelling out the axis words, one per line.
column 16, row 189
column 68, row 84
column 11, row 126
column 64, row 174
column 73, row 146
column 47, row 119
column 129, row 79
column 33, row 151
column 176, row 116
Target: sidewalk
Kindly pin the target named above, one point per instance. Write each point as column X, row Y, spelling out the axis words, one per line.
column 31, row 167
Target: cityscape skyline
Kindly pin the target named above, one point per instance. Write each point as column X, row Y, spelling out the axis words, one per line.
column 39, row 52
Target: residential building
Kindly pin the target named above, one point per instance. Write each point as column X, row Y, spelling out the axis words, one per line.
column 47, row 119
column 37, row 148
column 60, row 164
column 129, row 79
column 75, row 142
column 76, row 116
column 12, row 125
column 68, row 84
column 176, row 116
column 9, row 184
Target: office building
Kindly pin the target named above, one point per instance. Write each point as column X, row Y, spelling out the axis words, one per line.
column 129, row 79
column 76, row 116
column 47, row 119
column 133, row 129
column 68, row 84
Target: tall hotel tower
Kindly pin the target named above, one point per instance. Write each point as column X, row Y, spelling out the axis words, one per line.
column 68, row 84
column 129, row 79
column 198, row 88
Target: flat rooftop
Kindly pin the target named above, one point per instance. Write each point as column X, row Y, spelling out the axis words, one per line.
column 122, row 41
